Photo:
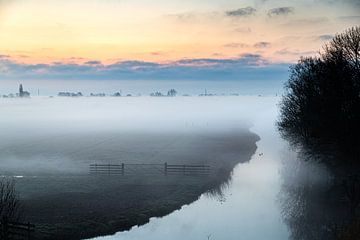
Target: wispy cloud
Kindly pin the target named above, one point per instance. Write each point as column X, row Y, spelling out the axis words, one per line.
column 23, row 56
column 352, row 3
column 262, row 45
column 184, row 17
column 280, row 11
column 195, row 16
column 297, row 53
column 325, row 37
column 236, row 45
column 354, row 18
column 241, row 12
column 76, row 58
column 306, row 22
column 93, row 62
column 160, row 53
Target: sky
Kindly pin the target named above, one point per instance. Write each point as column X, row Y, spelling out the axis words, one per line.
column 163, row 39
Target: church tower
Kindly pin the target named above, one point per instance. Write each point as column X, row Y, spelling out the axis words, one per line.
column 21, row 91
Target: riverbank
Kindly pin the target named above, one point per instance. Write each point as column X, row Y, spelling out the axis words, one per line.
column 77, row 205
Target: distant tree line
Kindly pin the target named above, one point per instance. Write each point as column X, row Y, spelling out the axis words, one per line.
column 171, row 93
column 322, row 99
column 70, row 94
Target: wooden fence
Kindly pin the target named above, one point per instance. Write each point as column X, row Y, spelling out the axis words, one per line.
column 16, row 230
column 166, row 169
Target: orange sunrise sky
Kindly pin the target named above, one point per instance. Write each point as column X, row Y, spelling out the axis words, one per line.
column 39, row 31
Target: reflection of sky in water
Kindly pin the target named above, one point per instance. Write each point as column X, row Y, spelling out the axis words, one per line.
column 249, row 208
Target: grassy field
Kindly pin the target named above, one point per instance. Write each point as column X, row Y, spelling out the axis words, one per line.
column 65, row 202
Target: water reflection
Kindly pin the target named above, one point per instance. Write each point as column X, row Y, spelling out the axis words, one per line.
column 319, row 200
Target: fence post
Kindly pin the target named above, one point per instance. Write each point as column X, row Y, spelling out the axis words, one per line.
column 184, row 169
column 122, row 168
column 109, row 168
column 96, row 171
column 165, row 168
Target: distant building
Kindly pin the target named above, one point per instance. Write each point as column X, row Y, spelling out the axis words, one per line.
column 23, row 93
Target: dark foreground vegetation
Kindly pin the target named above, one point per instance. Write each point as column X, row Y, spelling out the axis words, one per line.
column 320, row 115
column 10, row 213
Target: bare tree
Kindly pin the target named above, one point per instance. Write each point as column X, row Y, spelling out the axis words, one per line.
column 348, row 45
column 172, row 93
column 322, row 99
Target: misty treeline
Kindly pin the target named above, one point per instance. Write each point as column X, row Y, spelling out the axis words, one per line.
column 322, row 99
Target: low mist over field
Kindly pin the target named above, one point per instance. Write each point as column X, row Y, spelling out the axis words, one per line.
column 48, row 144
column 65, row 134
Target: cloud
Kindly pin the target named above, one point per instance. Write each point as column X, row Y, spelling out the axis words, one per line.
column 191, row 17
column 262, row 45
column 184, row 17
column 4, row 56
column 286, row 51
column 281, row 11
column 23, row 56
column 355, row 19
column 306, row 22
column 236, row 45
column 76, row 58
column 351, row 3
column 93, row 62
column 217, row 54
column 244, row 60
column 194, row 16
column 133, row 65
column 325, row 37
column 245, row 66
column 241, row 12
column 157, row 53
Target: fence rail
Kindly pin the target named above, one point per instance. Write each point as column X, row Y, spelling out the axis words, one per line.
column 138, row 168
column 16, row 230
